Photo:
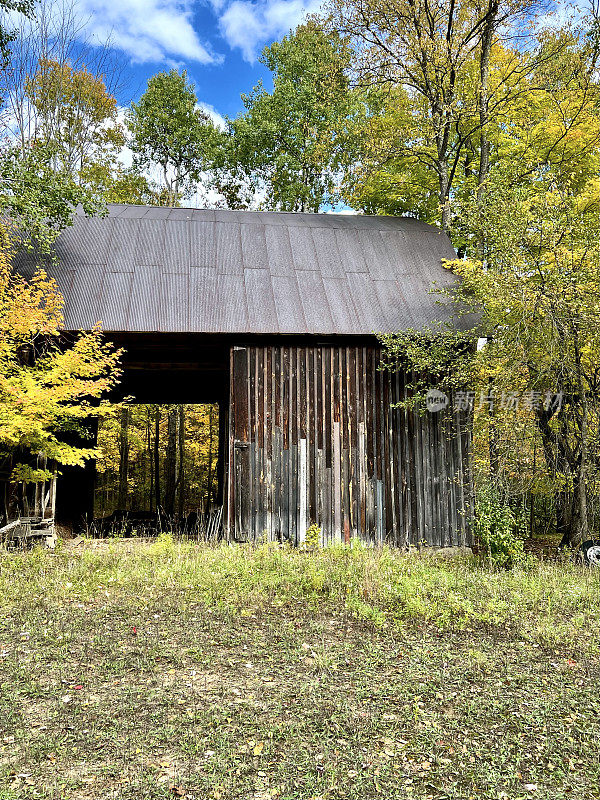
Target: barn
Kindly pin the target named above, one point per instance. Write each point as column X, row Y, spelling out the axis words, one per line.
column 273, row 316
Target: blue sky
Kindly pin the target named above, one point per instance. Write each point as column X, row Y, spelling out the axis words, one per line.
column 216, row 41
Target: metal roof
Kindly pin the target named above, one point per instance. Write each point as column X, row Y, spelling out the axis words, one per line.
column 143, row 268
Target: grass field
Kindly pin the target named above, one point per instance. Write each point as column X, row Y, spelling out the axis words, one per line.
column 133, row 670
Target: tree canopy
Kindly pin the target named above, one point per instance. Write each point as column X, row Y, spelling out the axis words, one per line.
column 286, row 146
column 170, row 131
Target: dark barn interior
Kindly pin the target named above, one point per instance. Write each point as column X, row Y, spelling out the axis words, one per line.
column 273, row 317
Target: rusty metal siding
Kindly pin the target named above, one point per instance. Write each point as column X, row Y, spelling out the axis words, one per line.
column 315, row 437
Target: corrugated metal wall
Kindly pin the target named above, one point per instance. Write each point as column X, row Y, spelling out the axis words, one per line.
column 314, row 437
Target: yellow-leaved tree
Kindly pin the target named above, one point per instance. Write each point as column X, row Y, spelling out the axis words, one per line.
column 49, row 387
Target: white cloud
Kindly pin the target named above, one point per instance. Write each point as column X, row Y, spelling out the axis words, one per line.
column 147, row 30
column 217, row 119
column 164, row 32
column 249, row 25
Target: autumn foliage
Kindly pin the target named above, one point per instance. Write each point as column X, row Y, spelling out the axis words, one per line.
column 47, row 389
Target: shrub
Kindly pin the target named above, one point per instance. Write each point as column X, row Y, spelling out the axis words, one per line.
column 499, row 528
column 313, row 537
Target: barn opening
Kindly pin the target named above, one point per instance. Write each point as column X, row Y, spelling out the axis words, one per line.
column 158, row 458
column 162, row 375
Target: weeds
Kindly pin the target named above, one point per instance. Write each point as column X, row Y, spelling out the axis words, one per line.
column 551, row 604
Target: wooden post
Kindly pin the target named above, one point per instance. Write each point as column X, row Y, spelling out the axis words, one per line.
column 337, row 485
column 302, row 525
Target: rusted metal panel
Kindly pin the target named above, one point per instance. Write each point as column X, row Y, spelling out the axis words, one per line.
column 262, row 314
column 84, row 304
column 175, row 254
column 317, row 436
column 329, row 260
column 348, row 243
column 304, row 253
column 340, row 303
column 202, row 247
column 174, row 306
column 152, row 247
column 123, row 247
column 254, row 246
column 279, row 251
column 314, row 301
column 116, row 295
column 329, row 274
column 228, row 249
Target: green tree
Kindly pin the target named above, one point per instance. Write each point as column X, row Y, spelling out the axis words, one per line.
column 529, row 230
column 170, row 131
column 537, row 294
column 131, row 186
column 442, row 75
column 151, row 462
column 39, row 199
column 387, row 172
column 287, row 144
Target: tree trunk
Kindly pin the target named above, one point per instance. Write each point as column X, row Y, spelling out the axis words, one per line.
column 171, row 462
column 572, row 513
column 157, row 459
column 150, row 464
column 487, row 38
column 123, row 459
column 181, row 475
column 444, row 196
column 209, row 478
column 565, row 465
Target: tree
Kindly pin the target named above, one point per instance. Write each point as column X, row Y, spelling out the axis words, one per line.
column 149, row 452
column 540, row 301
column 53, row 34
column 168, row 130
column 433, row 60
column 53, row 116
column 537, row 293
column 46, row 389
column 529, row 231
column 171, row 463
column 77, row 119
column 130, row 186
column 123, row 458
column 39, row 199
column 50, row 388
column 181, row 476
column 384, row 174
column 7, row 31
column 156, row 458
column 286, row 145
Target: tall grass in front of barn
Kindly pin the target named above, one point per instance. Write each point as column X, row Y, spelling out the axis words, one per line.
column 553, row 604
